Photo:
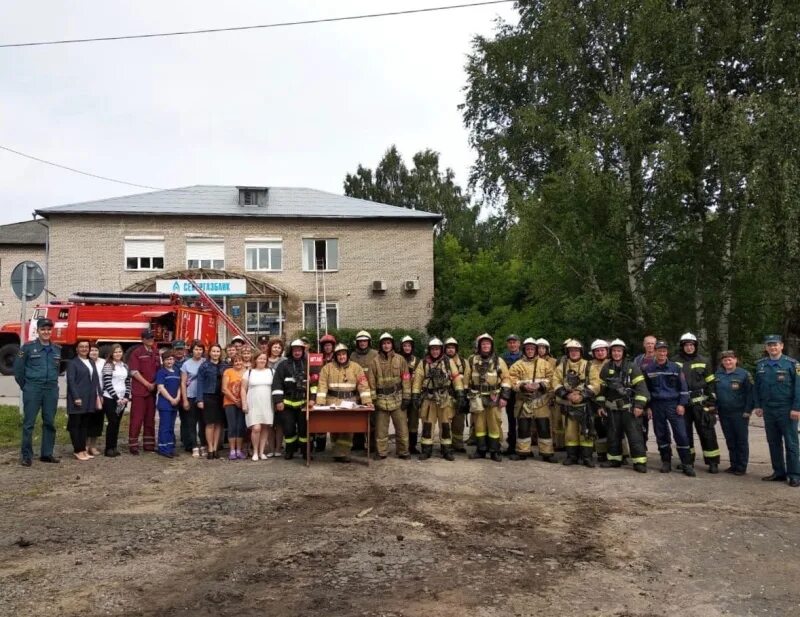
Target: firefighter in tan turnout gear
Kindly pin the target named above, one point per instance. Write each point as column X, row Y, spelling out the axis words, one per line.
column 390, row 384
column 461, row 410
column 339, row 381
column 363, row 356
column 557, row 421
column 433, row 379
column 531, row 377
column 488, row 389
column 407, row 349
column 574, row 385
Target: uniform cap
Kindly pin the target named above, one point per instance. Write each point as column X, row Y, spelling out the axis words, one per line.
column 512, row 337
column 386, row 336
column 572, row 343
column 298, row 342
column 340, row 347
column 773, row 338
column 451, row 341
column 263, row 339
column 688, row 337
column 728, row 353
column 599, row 343
column 147, row 334
column 529, row 341
column 179, row 344
column 44, row 322
column 618, row 342
column 407, row 339
column 363, row 335
column 543, row 341
column 661, row 344
column 239, row 338
column 435, row 342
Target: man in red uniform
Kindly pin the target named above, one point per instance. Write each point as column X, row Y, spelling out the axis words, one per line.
column 144, row 362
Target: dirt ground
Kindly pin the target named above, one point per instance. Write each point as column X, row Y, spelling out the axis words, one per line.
column 149, row 536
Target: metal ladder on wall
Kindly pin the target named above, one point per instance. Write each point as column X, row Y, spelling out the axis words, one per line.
column 321, row 299
column 208, row 300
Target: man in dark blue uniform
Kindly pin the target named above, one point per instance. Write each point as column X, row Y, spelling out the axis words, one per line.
column 777, row 399
column 36, row 372
column 669, row 396
column 511, row 355
column 734, row 387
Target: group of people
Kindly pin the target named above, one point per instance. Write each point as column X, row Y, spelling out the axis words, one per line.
column 596, row 409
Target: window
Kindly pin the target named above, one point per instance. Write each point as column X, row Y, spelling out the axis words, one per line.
column 205, row 253
column 263, row 255
column 320, row 254
column 145, row 253
column 331, row 315
column 263, row 316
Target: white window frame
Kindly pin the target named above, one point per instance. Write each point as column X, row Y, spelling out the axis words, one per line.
column 327, row 251
column 212, row 262
column 334, row 305
column 258, row 330
column 127, row 243
column 263, row 243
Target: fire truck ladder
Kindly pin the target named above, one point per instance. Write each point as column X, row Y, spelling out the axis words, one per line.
column 220, row 313
column 321, row 316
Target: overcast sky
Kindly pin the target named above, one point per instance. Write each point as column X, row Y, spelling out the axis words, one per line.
column 298, row 106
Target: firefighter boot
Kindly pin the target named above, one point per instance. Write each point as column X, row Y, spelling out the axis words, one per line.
column 426, row 450
column 496, row 457
column 688, row 463
column 713, row 468
column 640, row 467
column 548, row 458
column 666, row 466
column 572, row 455
column 412, row 443
column 588, row 456
column 288, row 452
column 602, row 460
column 480, row 452
column 447, row 453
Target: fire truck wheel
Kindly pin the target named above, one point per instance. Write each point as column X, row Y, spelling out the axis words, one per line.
column 7, row 354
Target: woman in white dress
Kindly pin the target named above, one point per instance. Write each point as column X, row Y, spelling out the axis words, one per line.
column 257, row 403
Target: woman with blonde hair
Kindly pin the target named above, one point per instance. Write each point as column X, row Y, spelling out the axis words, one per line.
column 256, row 396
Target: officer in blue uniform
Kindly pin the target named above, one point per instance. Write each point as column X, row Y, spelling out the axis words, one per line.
column 776, row 397
column 669, row 396
column 36, row 372
column 734, row 391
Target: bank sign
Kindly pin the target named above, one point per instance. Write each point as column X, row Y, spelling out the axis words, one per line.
column 213, row 287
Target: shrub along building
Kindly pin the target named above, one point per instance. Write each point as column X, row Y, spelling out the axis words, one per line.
column 277, row 260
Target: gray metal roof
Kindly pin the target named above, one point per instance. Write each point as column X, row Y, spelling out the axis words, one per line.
column 281, row 202
column 27, row 232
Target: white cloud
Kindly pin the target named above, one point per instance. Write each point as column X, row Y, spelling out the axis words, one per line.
column 297, row 106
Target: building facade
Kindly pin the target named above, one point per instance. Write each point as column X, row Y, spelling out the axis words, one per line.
column 277, row 260
column 26, row 241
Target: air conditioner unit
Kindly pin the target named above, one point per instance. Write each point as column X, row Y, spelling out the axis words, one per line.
column 378, row 285
column 412, row 285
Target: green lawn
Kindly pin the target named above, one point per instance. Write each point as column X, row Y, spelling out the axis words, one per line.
column 11, row 427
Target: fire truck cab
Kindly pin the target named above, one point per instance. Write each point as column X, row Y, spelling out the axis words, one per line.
column 106, row 318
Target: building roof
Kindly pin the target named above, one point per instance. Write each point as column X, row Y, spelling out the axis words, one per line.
column 281, row 202
column 26, row 232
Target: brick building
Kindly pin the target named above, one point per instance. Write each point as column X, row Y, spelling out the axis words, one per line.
column 271, row 257
column 19, row 242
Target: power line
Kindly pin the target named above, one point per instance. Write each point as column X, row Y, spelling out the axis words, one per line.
column 77, row 171
column 257, row 27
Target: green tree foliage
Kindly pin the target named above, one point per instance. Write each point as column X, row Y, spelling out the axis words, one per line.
column 423, row 187
column 646, row 152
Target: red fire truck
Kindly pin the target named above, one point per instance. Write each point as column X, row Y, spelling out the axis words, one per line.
column 115, row 317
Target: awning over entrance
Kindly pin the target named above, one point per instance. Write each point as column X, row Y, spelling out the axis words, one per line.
column 256, row 305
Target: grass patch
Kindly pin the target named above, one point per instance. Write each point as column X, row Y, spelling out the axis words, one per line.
column 11, row 427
